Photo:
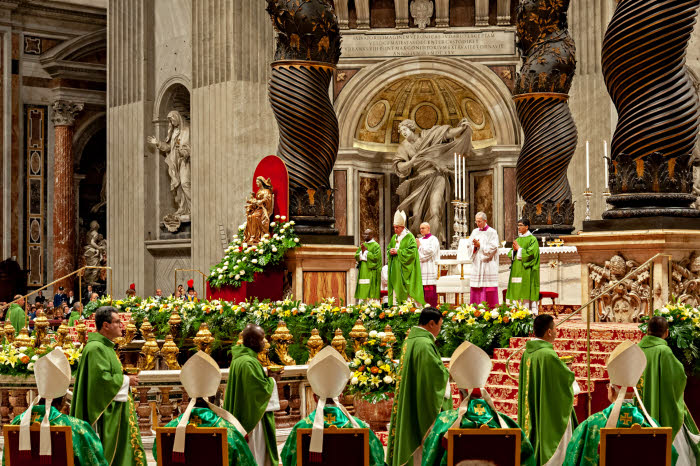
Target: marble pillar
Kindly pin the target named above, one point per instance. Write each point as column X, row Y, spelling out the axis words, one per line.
column 63, row 118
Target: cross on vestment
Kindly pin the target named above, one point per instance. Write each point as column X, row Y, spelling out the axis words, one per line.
column 35, row 417
column 329, row 418
column 479, row 409
column 195, row 421
column 626, row 419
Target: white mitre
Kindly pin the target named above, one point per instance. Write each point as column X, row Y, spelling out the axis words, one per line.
column 52, row 373
column 328, row 374
column 470, row 367
column 400, row 218
column 626, row 365
column 200, row 377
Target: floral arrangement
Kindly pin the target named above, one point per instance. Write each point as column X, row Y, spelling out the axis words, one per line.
column 122, row 305
column 683, row 332
column 20, row 361
column 485, row 327
column 373, row 369
column 242, row 261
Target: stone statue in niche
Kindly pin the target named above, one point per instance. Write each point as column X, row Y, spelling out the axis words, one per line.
column 630, row 299
column 258, row 210
column 421, row 163
column 176, row 150
column 686, row 280
column 95, row 253
column 422, row 11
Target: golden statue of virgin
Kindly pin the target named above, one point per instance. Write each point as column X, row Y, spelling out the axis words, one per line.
column 258, row 211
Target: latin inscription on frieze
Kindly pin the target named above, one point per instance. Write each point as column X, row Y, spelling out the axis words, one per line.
column 416, row 44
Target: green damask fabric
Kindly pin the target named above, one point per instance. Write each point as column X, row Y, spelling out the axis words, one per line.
column 478, row 413
column 87, row 449
column 238, row 452
column 333, row 416
column 583, row 447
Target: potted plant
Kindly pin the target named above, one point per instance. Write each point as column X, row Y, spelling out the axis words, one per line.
column 373, row 381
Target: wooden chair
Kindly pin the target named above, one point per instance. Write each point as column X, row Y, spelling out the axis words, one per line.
column 498, row 446
column 341, row 447
column 203, row 445
column 640, row 446
column 61, row 446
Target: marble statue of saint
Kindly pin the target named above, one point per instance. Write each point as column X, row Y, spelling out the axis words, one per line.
column 94, row 252
column 258, row 210
column 421, row 163
column 176, row 149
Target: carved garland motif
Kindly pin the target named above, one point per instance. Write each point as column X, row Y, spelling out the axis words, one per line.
column 630, row 299
column 686, row 280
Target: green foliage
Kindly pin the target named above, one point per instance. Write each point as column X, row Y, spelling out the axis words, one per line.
column 683, row 333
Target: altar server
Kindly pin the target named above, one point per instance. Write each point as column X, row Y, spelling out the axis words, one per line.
column 52, row 373
column 524, row 280
column 429, row 253
column 200, row 377
column 328, row 373
column 483, row 252
column 369, row 263
column 470, row 367
column 404, row 264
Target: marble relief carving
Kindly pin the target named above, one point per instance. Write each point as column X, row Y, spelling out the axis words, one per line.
column 686, row 280
column 421, row 12
column 628, row 301
column 370, row 203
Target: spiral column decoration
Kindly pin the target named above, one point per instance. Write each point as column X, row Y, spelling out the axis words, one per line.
column 643, row 62
column 541, row 100
column 308, row 49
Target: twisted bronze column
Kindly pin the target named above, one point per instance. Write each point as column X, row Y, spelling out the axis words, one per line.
column 308, row 48
column 644, row 69
column 541, row 99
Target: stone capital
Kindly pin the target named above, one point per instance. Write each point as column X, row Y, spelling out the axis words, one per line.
column 64, row 112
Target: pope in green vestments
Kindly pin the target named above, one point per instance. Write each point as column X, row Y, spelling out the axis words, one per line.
column 404, row 264
column 100, row 385
column 369, row 272
column 16, row 316
column 420, row 392
column 87, row 449
column 524, row 280
column 545, row 395
column 662, row 387
column 248, row 394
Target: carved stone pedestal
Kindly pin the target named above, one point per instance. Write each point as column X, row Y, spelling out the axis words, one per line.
column 607, row 256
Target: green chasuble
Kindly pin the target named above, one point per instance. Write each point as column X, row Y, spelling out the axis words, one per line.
column 238, row 452
column 545, row 398
column 662, row 386
column 15, row 314
column 333, row 416
column 478, row 413
column 583, row 448
column 404, row 271
column 524, row 280
column 74, row 317
column 87, row 449
column 419, row 395
column 248, row 392
column 369, row 275
column 97, row 381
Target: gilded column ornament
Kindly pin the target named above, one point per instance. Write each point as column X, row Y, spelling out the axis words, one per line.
column 340, row 343
column 204, row 339
column 23, row 339
column 282, row 338
column 630, row 299
column 170, row 352
column 315, row 344
column 541, row 99
column 389, row 339
column 149, row 354
column 41, row 325
column 308, row 49
column 264, row 354
column 146, row 329
column 359, row 335
column 62, row 335
column 81, row 330
column 175, row 322
column 9, row 331
column 129, row 332
column 643, row 63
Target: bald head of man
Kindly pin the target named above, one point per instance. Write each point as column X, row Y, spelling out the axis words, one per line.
column 253, row 337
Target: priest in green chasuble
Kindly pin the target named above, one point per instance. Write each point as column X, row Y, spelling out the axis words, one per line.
column 470, row 367
column 546, row 389
column 52, row 373
column 15, row 314
column 625, row 366
column 101, row 393
column 251, row 396
column 328, row 373
column 200, row 377
column 404, row 265
column 421, row 391
column 369, row 263
column 524, row 280
column 662, row 386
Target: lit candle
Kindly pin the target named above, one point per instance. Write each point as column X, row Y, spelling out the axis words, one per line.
column 456, row 176
column 464, row 178
column 588, row 175
column 605, row 161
